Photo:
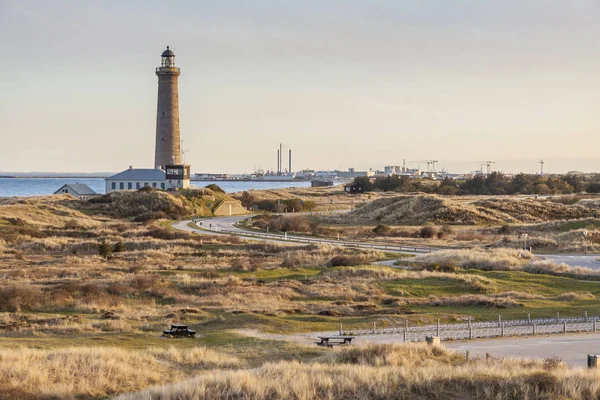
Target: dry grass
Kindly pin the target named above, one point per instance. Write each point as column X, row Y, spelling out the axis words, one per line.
column 493, row 259
column 95, row 372
column 389, row 372
column 422, row 209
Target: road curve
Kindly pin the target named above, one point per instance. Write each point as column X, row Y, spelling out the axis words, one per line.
column 211, row 226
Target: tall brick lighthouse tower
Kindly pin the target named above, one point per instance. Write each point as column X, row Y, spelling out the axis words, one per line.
column 168, row 142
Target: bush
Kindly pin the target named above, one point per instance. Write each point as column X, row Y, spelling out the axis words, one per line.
column 447, row 230
column 17, row 221
column 17, row 298
column 215, row 188
column 151, row 216
column 119, row 247
column 105, row 249
column 347, row 261
column 428, row 232
column 593, row 188
column 72, row 224
column 382, row 230
column 505, row 230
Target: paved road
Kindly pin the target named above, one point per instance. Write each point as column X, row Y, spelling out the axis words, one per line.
column 581, row 260
column 227, row 225
column 573, row 349
column 220, row 224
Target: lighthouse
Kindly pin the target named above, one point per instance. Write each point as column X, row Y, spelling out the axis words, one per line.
column 168, row 141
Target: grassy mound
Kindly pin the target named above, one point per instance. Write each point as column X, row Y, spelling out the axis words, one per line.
column 149, row 203
column 422, row 209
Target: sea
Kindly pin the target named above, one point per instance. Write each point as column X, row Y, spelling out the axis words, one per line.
column 24, row 187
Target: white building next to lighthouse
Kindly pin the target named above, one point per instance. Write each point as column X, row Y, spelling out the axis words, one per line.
column 168, row 173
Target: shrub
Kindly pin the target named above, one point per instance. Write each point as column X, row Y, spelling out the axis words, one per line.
column 505, row 230
column 382, row 230
column 447, row 230
column 17, row 298
column 215, row 188
column 151, row 216
column 72, row 224
column 17, row 221
column 347, row 261
column 119, row 247
column 105, row 249
column 428, row 232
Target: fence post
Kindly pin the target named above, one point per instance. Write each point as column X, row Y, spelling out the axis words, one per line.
column 528, row 318
column 487, row 357
column 594, row 324
column 438, row 327
column 470, row 332
column 586, row 316
column 373, row 326
column 467, row 356
column 534, row 328
column 404, row 336
column 469, row 322
column 557, row 315
column 565, row 327
column 499, row 320
column 502, row 329
column 340, row 329
column 406, row 325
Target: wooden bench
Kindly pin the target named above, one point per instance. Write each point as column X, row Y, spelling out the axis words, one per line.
column 330, row 341
column 178, row 330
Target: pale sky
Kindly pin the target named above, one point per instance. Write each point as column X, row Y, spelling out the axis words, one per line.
column 341, row 82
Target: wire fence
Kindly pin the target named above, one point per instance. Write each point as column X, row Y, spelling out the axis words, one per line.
column 489, row 329
column 297, row 239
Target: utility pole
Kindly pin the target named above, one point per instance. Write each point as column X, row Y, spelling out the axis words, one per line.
column 541, row 162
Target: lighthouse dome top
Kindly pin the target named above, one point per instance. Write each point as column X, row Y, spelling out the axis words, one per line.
column 168, row 53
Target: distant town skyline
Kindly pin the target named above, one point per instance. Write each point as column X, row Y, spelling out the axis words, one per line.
column 342, row 83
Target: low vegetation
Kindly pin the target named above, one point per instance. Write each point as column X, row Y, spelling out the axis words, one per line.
column 84, row 288
column 390, row 372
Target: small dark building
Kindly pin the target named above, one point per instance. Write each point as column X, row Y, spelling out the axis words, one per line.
column 354, row 187
column 319, row 183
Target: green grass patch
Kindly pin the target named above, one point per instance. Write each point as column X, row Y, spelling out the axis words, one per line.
column 278, row 273
column 437, row 286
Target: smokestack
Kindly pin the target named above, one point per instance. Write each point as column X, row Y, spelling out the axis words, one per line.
column 280, row 166
column 278, row 156
column 290, row 161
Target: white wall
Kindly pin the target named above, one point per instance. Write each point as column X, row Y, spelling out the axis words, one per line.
column 133, row 185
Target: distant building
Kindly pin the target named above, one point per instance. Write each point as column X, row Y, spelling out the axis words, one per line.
column 320, row 183
column 176, row 177
column 353, row 187
column 79, row 190
column 351, row 173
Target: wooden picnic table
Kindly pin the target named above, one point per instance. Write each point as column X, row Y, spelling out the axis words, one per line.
column 330, row 341
column 179, row 330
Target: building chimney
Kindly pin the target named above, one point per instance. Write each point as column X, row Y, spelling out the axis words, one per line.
column 278, row 156
column 130, row 167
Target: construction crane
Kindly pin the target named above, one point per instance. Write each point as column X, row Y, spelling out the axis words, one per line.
column 488, row 164
column 429, row 162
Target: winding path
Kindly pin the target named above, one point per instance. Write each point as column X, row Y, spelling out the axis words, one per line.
column 210, row 226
